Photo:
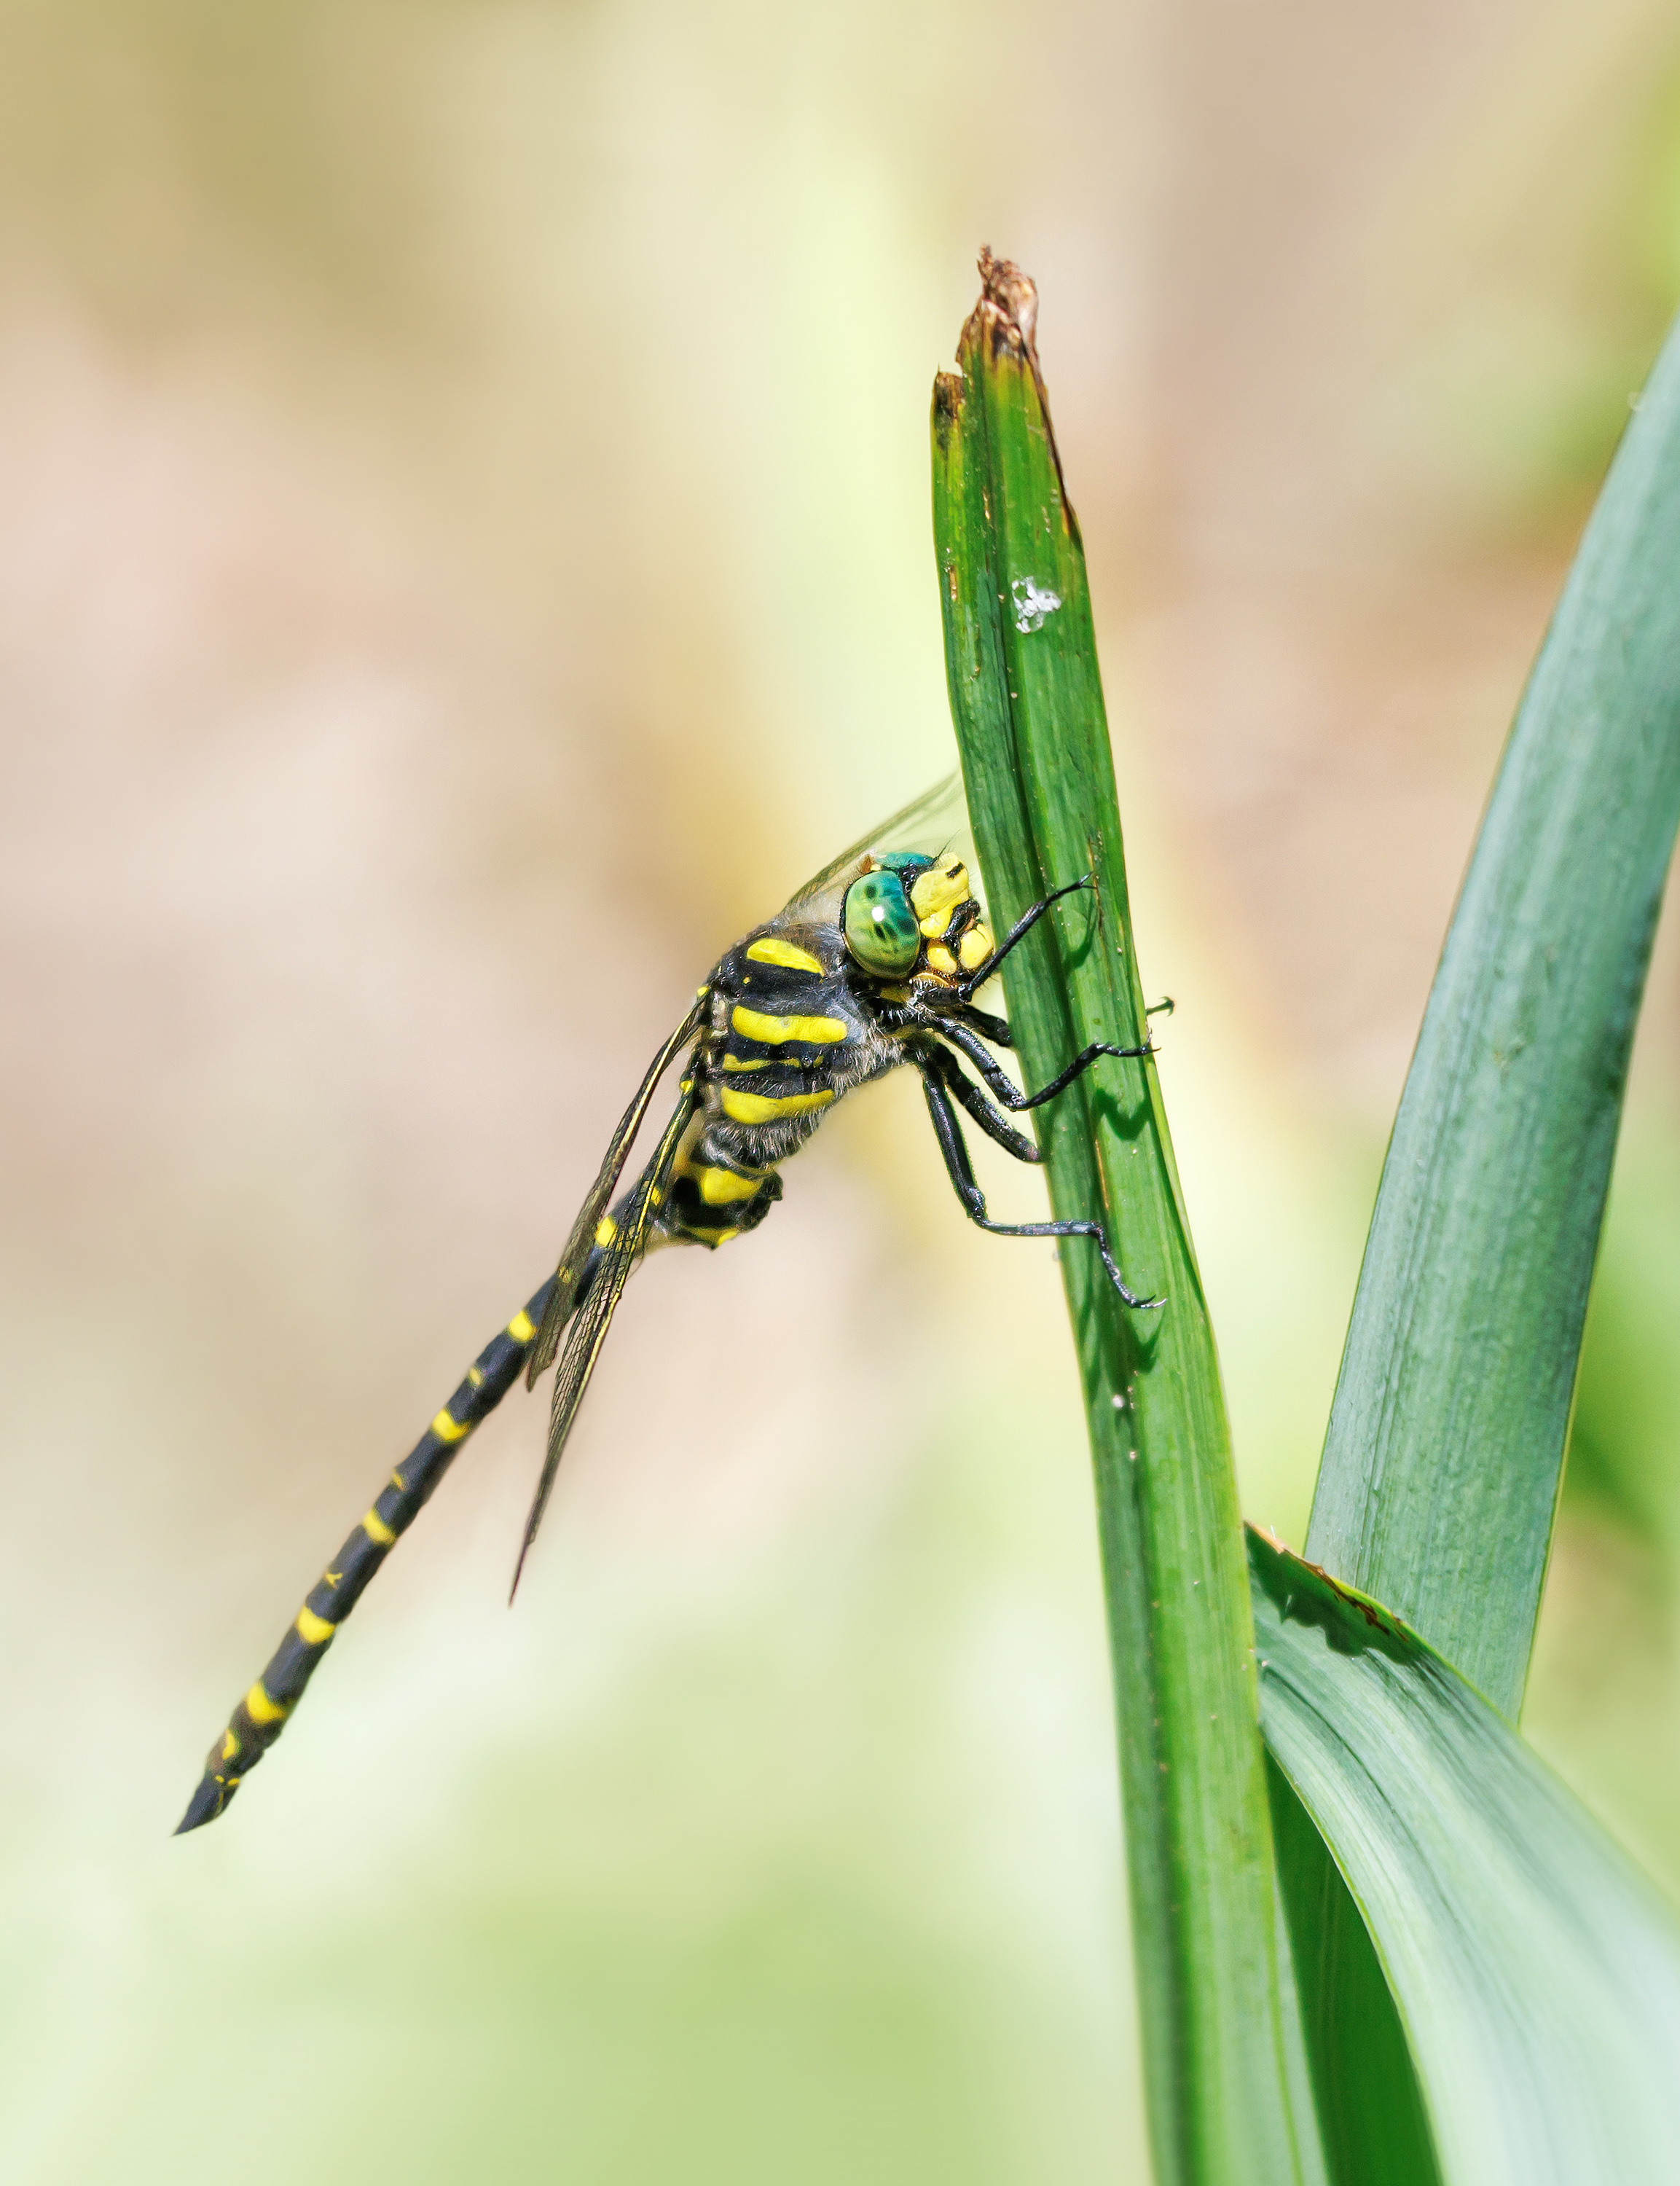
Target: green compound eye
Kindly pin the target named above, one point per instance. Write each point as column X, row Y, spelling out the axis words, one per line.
column 880, row 927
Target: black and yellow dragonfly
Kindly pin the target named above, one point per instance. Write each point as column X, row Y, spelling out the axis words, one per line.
column 873, row 964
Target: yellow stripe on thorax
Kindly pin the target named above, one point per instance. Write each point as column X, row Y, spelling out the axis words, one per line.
column 770, row 948
column 757, row 1024
column 763, row 1108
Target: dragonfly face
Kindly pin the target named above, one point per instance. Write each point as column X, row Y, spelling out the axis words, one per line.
column 873, row 966
column 909, row 913
column 927, row 908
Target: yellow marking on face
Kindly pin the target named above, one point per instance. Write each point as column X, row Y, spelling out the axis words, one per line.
column 377, row 1530
column 475, row 1375
column 521, row 1328
column 447, row 1429
column 941, row 960
column 936, row 893
column 605, row 1229
column 757, row 1024
column 975, row 946
column 315, row 1630
column 733, row 1063
column 770, row 949
column 260, row 1707
column 764, row 1108
column 722, row 1187
column 230, row 1745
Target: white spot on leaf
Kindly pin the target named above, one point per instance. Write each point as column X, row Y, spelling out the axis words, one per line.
column 1034, row 603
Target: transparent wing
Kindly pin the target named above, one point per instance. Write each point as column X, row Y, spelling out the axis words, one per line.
column 930, row 821
column 578, row 1245
column 588, row 1329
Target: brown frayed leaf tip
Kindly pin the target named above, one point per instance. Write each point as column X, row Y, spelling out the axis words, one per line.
column 1003, row 323
column 1009, row 300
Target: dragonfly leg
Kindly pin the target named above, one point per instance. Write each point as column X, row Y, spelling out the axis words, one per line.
column 963, row 1090
column 1003, row 1087
column 994, row 1028
column 953, row 1148
column 1022, row 927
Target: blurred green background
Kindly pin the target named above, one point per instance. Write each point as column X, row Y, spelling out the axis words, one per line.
column 465, row 554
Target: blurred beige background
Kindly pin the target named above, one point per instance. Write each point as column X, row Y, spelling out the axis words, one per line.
column 464, row 553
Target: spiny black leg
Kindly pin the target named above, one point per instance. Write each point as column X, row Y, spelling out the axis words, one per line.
column 995, row 1030
column 1009, row 1093
column 942, row 1013
column 979, row 1107
column 1022, row 927
column 953, row 1148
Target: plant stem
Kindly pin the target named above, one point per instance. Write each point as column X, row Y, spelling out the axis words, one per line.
column 1026, row 698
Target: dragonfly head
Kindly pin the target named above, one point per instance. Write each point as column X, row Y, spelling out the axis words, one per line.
column 906, row 910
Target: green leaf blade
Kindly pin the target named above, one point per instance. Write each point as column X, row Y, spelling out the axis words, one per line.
column 1537, row 1974
column 1371, row 2114
column 1441, row 1468
column 1218, row 2035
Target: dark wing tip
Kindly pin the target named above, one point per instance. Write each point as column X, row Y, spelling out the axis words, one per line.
column 519, row 1568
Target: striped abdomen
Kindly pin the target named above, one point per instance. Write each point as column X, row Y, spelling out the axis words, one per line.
column 261, row 1716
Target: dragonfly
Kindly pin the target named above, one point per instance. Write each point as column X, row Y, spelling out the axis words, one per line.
column 872, row 966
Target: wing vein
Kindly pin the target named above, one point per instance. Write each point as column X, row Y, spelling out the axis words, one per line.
column 587, row 1332
column 574, row 1257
